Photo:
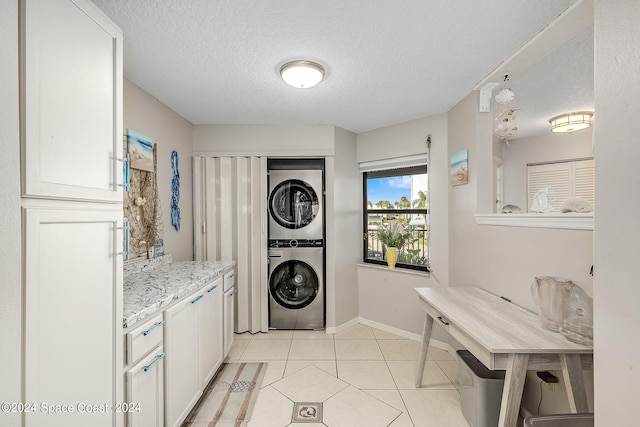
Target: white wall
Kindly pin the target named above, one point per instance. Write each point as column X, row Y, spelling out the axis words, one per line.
column 544, row 148
column 505, row 260
column 387, row 296
column 258, row 140
column 617, row 151
column 347, row 230
column 145, row 114
column 10, row 255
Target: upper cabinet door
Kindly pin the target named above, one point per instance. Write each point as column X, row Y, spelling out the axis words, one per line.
column 71, row 102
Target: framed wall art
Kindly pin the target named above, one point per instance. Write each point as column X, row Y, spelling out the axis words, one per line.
column 459, row 168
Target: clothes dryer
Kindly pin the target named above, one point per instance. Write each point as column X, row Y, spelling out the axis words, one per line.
column 296, row 284
column 295, row 204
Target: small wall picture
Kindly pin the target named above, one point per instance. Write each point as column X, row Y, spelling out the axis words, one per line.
column 140, row 150
column 158, row 250
column 459, row 168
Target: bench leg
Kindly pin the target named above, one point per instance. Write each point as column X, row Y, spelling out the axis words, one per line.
column 513, row 388
column 426, row 336
column 574, row 382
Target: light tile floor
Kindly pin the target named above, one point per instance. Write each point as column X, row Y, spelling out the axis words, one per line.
column 363, row 377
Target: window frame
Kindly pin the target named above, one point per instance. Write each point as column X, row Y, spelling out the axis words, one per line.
column 387, row 173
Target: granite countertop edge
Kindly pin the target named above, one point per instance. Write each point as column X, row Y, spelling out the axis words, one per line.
column 146, row 291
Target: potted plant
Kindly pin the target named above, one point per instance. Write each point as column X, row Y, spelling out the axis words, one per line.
column 394, row 236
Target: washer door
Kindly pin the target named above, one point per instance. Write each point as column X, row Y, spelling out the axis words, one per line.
column 294, row 284
column 293, row 204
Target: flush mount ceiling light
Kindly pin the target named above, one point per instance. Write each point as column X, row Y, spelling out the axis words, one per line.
column 302, row 74
column 570, row 122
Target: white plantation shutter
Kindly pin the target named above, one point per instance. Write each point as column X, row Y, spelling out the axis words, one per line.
column 564, row 180
column 584, row 179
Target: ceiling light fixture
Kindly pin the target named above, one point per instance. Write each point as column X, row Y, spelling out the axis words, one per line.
column 302, row 74
column 570, row 122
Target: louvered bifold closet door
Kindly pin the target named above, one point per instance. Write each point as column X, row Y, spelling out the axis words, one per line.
column 230, row 216
column 584, row 174
column 554, row 176
column 565, row 180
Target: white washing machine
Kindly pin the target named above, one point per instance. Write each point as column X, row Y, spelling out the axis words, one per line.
column 295, row 204
column 296, row 284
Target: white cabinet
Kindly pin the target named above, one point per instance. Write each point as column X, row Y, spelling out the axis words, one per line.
column 210, row 331
column 193, row 342
column 182, row 385
column 73, row 313
column 144, row 406
column 229, row 311
column 72, row 101
column 144, row 376
column 71, row 136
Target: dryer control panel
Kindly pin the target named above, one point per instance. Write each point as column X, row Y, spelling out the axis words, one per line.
column 296, row 243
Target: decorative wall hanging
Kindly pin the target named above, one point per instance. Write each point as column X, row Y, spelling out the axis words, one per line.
column 175, row 189
column 505, row 113
column 142, row 214
column 459, row 168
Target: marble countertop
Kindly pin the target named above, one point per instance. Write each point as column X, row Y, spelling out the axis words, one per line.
column 151, row 287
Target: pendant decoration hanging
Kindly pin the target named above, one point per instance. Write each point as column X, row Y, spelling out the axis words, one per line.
column 175, row 190
column 505, row 113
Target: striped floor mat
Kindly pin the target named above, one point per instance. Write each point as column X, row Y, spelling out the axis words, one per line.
column 230, row 396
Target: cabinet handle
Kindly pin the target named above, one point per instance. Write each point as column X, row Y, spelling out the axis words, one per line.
column 232, row 274
column 154, row 361
column 198, row 298
column 153, row 328
column 212, row 288
column 444, row 322
column 127, row 179
column 232, row 293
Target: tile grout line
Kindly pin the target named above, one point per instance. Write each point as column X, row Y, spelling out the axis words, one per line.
column 406, row 410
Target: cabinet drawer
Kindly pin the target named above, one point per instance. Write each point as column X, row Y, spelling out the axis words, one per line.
column 229, row 280
column 144, row 338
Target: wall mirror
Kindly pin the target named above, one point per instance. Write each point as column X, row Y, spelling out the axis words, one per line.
column 551, row 75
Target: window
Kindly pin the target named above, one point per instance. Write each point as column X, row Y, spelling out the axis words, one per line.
column 397, row 195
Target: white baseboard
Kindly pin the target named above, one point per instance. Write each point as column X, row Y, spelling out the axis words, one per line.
column 342, row 327
column 396, row 331
column 391, row 329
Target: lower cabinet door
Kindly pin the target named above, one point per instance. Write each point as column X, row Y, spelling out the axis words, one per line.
column 144, row 406
column 210, row 330
column 72, row 317
column 229, row 303
column 182, row 383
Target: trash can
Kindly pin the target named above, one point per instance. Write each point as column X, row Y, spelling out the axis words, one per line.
column 480, row 391
column 564, row 420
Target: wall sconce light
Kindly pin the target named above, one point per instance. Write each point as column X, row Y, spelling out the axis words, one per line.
column 302, row 74
column 570, row 122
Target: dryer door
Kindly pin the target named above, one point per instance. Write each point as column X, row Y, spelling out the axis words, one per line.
column 294, row 284
column 293, row 204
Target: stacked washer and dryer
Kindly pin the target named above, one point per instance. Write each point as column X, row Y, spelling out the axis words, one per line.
column 296, row 244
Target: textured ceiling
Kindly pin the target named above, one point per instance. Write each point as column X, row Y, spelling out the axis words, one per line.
column 387, row 62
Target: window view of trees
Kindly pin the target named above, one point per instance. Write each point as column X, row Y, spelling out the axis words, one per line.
column 397, row 197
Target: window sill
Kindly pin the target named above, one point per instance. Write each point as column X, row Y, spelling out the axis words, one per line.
column 394, row 270
column 570, row 221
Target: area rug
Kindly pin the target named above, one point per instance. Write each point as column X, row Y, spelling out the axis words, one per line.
column 230, row 396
